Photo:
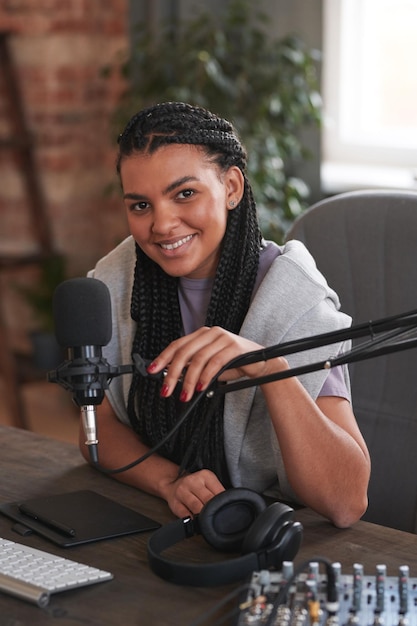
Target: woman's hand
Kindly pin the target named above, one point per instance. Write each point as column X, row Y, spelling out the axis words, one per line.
column 187, row 495
column 198, row 357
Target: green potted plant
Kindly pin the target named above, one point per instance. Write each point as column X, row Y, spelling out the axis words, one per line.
column 267, row 87
column 47, row 354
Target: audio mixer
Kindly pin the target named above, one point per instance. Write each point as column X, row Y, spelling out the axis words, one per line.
column 307, row 597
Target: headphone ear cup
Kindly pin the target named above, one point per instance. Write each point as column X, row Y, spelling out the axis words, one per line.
column 266, row 528
column 287, row 545
column 225, row 519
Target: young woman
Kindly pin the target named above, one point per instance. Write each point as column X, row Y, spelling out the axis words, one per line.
column 194, row 286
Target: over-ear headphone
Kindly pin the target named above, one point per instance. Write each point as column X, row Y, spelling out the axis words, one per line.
column 236, row 519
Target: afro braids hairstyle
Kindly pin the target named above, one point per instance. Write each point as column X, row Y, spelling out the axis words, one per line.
column 198, row 443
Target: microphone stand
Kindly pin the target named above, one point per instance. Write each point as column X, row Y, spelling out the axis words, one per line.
column 402, row 328
column 387, row 335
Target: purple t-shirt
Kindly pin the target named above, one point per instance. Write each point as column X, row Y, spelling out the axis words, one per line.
column 194, row 297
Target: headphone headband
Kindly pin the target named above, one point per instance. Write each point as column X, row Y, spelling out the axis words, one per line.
column 193, row 575
column 266, row 538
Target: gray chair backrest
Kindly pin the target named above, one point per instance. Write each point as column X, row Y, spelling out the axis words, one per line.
column 365, row 243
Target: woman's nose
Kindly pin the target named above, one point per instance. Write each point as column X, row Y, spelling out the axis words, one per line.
column 164, row 218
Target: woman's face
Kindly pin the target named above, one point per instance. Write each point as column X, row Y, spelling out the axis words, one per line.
column 177, row 202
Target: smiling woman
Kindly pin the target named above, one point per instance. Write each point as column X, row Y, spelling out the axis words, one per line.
column 194, row 287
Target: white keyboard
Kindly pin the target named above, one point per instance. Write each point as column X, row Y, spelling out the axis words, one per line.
column 33, row 574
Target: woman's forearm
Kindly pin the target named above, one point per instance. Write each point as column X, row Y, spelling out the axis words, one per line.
column 119, row 445
column 325, row 457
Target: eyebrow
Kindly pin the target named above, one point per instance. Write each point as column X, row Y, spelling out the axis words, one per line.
column 178, row 183
column 171, row 187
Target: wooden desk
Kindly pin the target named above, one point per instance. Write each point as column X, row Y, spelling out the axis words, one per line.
column 32, row 466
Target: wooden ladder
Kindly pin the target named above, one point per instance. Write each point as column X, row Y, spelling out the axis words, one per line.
column 20, row 143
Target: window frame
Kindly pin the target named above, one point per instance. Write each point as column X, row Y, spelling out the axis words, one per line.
column 368, row 151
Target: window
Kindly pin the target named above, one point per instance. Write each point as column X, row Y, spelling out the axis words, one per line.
column 369, row 94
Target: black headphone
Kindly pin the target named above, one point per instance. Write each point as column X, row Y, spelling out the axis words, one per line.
column 236, row 519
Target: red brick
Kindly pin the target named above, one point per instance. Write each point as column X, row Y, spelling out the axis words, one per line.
column 68, row 106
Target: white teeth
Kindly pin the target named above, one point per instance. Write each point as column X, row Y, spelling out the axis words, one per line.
column 177, row 244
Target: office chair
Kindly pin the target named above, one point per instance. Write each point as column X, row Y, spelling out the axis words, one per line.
column 365, row 243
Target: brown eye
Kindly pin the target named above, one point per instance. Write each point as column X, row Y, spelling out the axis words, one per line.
column 138, row 207
column 186, row 193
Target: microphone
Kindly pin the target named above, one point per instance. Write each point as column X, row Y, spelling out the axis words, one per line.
column 83, row 324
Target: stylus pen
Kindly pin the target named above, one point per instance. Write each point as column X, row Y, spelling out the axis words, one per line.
column 53, row 524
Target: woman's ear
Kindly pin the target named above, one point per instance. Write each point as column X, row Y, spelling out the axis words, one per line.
column 235, row 185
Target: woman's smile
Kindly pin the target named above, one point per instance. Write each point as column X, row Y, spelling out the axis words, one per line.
column 177, row 244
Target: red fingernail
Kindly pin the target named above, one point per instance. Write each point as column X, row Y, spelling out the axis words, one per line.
column 164, row 390
column 183, row 396
column 199, row 386
column 151, row 367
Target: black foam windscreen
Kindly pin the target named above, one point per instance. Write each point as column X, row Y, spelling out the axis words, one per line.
column 82, row 313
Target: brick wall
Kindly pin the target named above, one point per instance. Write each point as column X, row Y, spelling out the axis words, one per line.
column 59, row 48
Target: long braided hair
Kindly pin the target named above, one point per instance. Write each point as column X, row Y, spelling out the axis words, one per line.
column 198, row 443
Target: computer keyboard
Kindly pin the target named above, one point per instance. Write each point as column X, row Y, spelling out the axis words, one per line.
column 32, row 574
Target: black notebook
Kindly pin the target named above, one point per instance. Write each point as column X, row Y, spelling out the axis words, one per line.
column 69, row 519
